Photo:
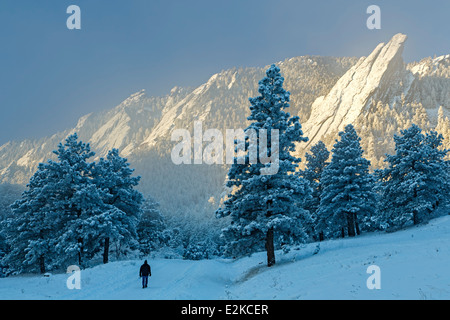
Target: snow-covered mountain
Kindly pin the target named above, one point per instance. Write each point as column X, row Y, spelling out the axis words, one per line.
column 379, row 94
column 381, row 76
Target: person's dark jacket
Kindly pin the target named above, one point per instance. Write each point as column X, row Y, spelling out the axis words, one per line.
column 145, row 270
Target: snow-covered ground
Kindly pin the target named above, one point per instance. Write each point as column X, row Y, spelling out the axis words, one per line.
column 414, row 264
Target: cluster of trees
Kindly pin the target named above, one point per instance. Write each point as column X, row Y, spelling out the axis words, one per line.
column 73, row 209
column 348, row 199
column 77, row 211
column 329, row 198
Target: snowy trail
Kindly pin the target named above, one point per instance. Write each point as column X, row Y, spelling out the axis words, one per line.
column 414, row 264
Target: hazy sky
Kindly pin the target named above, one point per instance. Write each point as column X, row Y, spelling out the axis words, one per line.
column 50, row 75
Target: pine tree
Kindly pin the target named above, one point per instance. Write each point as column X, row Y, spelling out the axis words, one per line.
column 316, row 161
column 347, row 197
column 416, row 179
column 265, row 209
column 114, row 177
column 72, row 198
column 150, row 227
column 8, row 195
column 27, row 232
column 46, row 229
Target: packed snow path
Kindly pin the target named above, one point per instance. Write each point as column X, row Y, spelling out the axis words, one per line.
column 414, row 264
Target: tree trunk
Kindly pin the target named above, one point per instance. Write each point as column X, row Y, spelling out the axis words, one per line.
column 321, row 237
column 415, row 212
column 350, row 224
column 269, row 238
column 415, row 217
column 106, row 251
column 42, row 264
column 270, row 248
column 358, row 232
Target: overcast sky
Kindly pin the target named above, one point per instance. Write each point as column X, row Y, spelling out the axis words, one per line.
column 50, row 75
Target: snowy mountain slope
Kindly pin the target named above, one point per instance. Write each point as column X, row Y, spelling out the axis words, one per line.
column 222, row 102
column 432, row 66
column 141, row 125
column 413, row 264
column 372, row 77
column 123, row 127
column 379, row 94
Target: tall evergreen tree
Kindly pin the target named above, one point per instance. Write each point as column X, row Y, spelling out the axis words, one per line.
column 72, row 198
column 114, row 177
column 27, row 232
column 316, row 161
column 8, row 195
column 46, row 228
column 347, row 196
column 416, row 179
column 151, row 226
column 265, row 209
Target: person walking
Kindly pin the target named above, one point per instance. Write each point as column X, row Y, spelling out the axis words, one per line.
column 144, row 272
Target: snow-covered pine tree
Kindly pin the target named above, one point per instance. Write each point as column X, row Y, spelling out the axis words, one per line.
column 347, row 197
column 94, row 218
column 416, row 179
column 438, row 168
column 150, row 227
column 72, row 199
column 8, row 195
column 316, row 161
column 46, row 230
column 264, row 209
column 4, row 249
column 119, row 223
column 28, row 230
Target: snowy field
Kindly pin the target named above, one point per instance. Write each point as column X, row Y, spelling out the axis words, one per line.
column 414, row 264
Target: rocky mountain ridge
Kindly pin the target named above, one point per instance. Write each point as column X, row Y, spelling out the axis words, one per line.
column 380, row 94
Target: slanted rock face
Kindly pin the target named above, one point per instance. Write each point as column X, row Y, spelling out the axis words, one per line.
column 381, row 76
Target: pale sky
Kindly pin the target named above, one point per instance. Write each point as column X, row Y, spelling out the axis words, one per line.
column 50, row 75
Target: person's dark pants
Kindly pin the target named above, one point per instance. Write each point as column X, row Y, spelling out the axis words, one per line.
column 144, row 281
